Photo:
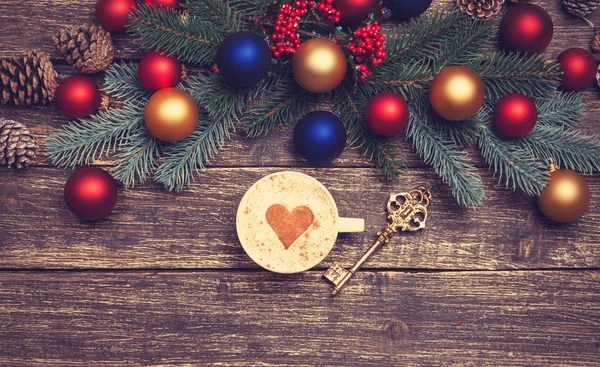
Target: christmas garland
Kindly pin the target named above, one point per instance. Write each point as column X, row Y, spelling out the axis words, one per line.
column 413, row 54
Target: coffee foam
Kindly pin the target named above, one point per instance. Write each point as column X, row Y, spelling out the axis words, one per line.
column 298, row 195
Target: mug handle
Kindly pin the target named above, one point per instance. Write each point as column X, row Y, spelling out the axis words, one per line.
column 346, row 225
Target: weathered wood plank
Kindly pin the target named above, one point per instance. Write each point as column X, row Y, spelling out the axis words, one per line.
column 251, row 319
column 151, row 228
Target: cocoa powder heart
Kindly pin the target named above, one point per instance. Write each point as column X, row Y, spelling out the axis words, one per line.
column 288, row 226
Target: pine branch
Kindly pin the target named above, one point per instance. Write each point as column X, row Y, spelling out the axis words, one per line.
column 96, row 137
column 407, row 80
column 384, row 156
column 217, row 13
column 561, row 109
column 137, row 158
column 516, row 166
column 122, row 82
column 190, row 38
column 568, row 148
column 507, row 73
column 451, row 164
column 251, row 7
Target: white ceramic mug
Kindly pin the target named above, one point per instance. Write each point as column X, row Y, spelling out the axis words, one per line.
column 287, row 222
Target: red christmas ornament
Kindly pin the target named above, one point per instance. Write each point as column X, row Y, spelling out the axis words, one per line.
column 352, row 12
column 157, row 71
column 78, row 97
column 515, row 115
column 526, row 28
column 166, row 4
column 91, row 193
column 387, row 114
column 112, row 14
column 579, row 68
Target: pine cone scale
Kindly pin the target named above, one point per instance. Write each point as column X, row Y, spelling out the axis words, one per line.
column 27, row 79
column 481, row 9
column 580, row 8
column 88, row 49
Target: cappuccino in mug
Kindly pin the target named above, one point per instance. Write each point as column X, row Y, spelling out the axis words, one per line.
column 288, row 222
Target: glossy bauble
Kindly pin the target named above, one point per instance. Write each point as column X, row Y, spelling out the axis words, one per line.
column 243, row 59
column 319, row 65
column 165, row 4
column 456, row 93
column 526, row 28
column 387, row 114
column 566, row 196
column 352, row 12
column 157, row 71
column 515, row 115
column 405, row 9
column 112, row 14
column 171, row 115
column 78, row 96
column 579, row 68
column 91, row 193
column 320, row 137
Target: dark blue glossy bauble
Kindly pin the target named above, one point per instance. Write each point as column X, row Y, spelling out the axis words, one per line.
column 243, row 59
column 320, row 137
column 405, row 9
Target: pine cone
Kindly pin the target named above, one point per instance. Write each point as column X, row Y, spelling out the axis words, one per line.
column 28, row 79
column 88, row 48
column 596, row 41
column 580, row 8
column 480, row 9
column 17, row 145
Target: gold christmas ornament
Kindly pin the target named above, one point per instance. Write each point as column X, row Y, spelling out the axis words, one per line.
column 319, row 65
column 171, row 115
column 456, row 93
column 566, row 197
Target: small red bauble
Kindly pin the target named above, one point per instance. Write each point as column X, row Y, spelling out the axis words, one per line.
column 78, row 97
column 515, row 115
column 387, row 114
column 166, row 4
column 579, row 68
column 91, row 193
column 526, row 28
column 112, row 14
column 352, row 12
column 157, row 71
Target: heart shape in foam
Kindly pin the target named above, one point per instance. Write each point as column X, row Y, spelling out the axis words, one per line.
column 288, row 226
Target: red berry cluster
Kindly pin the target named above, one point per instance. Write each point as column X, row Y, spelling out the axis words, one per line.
column 367, row 48
column 285, row 37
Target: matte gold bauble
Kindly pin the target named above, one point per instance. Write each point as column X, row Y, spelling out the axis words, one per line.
column 319, row 65
column 456, row 93
column 566, row 196
column 171, row 114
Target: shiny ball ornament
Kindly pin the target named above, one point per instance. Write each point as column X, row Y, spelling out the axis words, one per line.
column 165, row 4
column 579, row 68
column 515, row 115
column 526, row 28
column 456, row 93
column 243, row 59
column 566, row 197
column 112, row 14
column 320, row 137
column 171, row 115
column 157, row 71
column 405, row 9
column 78, row 97
column 91, row 193
column 352, row 12
column 319, row 65
column 387, row 114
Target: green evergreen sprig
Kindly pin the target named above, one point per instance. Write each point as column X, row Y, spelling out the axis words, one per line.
column 417, row 51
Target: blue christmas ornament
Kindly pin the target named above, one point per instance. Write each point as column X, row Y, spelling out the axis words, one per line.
column 243, row 59
column 320, row 137
column 405, row 9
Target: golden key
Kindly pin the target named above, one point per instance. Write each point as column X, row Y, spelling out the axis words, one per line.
column 406, row 211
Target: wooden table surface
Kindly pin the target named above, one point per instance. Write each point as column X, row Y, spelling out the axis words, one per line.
column 163, row 281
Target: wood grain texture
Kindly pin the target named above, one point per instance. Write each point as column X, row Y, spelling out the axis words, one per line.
column 151, row 228
column 261, row 319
